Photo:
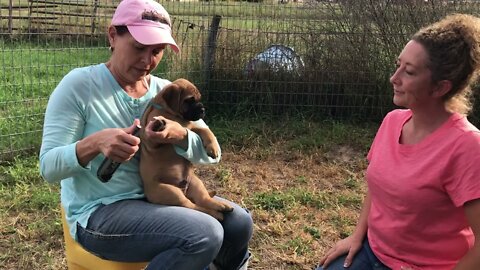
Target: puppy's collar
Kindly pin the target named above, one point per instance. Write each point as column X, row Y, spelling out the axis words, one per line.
column 154, row 105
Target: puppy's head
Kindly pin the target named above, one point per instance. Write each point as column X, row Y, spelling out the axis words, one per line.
column 183, row 98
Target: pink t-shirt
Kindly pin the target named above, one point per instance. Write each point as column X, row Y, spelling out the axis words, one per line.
column 417, row 193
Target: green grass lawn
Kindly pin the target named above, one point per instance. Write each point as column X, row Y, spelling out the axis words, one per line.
column 302, row 181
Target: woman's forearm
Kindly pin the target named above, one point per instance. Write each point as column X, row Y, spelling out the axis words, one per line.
column 362, row 224
column 471, row 261
column 86, row 150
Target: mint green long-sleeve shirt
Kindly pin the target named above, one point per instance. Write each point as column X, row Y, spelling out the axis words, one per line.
column 86, row 101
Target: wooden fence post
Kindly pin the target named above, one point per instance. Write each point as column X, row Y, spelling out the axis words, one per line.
column 94, row 17
column 10, row 17
column 30, row 9
column 209, row 60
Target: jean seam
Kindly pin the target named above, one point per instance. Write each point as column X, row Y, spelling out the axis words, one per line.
column 99, row 235
column 95, row 233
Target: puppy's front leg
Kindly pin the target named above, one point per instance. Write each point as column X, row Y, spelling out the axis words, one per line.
column 209, row 141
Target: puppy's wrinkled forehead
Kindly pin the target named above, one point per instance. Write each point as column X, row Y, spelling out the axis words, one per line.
column 189, row 88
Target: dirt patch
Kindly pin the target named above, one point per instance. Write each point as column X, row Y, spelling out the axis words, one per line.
column 319, row 196
column 301, row 204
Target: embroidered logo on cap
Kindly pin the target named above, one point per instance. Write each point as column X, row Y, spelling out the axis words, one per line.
column 154, row 16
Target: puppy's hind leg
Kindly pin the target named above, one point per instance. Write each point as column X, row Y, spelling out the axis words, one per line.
column 200, row 196
column 167, row 194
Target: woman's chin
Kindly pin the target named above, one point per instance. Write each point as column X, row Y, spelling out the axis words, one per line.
column 398, row 102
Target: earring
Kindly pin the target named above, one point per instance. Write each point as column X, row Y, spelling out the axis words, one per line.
column 110, row 48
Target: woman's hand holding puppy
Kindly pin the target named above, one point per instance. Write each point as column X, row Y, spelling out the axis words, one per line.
column 173, row 133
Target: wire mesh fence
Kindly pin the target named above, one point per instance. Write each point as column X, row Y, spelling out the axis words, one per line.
column 324, row 59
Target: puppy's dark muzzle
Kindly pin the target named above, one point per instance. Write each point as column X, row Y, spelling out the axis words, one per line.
column 194, row 112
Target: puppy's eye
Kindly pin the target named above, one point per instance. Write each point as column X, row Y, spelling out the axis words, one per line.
column 190, row 100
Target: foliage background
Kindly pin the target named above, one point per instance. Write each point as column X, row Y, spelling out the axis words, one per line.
column 347, row 49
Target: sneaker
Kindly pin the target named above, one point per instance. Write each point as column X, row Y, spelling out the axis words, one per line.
column 243, row 267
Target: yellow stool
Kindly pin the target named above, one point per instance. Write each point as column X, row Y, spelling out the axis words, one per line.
column 80, row 259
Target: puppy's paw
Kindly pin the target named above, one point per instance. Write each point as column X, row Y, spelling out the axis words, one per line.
column 221, row 206
column 216, row 205
column 214, row 213
column 212, row 149
column 158, row 124
column 226, row 207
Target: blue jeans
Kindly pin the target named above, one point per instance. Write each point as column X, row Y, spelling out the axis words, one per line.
column 365, row 259
column 169, row 237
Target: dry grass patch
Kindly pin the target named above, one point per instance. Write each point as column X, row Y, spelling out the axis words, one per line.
column 303, row 196
column 301, row 204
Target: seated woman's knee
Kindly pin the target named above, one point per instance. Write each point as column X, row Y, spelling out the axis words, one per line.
column 209, row 238
column 242, row 224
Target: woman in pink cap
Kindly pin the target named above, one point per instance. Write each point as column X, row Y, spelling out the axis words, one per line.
column 91, row 115
column 422, row 207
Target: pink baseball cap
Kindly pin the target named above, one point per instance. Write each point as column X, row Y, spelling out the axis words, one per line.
column 147, row 21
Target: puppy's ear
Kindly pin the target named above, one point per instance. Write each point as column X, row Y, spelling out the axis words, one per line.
column 170, row 96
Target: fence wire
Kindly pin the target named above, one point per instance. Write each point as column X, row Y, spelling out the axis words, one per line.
column 322, row 59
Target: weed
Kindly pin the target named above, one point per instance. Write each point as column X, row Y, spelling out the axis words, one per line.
column 274, row 200
column 224, row 175
column 314, row 232
column 302, row 180
column 298, row 246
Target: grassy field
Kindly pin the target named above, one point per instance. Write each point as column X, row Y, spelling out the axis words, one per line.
column 32, row 64
column 28, row 76
column 66, row 17
column 29, row 72
column 302, row 181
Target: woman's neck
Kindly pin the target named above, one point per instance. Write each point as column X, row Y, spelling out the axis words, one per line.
column 135, row 89
column 422, row 124
column 429, row 120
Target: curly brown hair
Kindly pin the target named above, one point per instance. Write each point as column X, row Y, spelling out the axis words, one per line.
column 453, row 48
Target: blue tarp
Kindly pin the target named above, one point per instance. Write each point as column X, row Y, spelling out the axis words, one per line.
column 277, row 59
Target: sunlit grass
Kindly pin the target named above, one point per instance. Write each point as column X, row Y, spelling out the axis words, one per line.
column 298, row 211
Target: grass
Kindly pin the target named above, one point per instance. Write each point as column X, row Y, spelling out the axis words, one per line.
column 30, row 234
column 29, row 74
column 301, row 180
column 33, row 64
column 239, row 15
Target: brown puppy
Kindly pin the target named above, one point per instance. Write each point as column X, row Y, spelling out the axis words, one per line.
column 167, row 177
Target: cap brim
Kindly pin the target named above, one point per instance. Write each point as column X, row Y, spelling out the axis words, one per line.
column 148, row 35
